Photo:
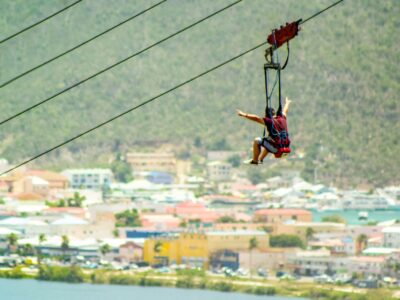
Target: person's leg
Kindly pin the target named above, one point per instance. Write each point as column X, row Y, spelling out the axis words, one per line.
column 264, row 153
column 256, row 149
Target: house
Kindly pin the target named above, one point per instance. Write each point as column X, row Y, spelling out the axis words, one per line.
column 92, row 179
column 130, row 252
column 26, row 226
column 306, row 230
column 56, row 181
column 367, row 265
column 318, row 262
column 219, row 171
column 269, row 259
column 159, row 221
column 38, row 181
column 156, row 161
column 273, row 216
column 193, row 211
column 391, row 237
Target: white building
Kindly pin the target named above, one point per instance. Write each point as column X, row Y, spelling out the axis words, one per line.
column 391, row 237
column 219, row 171
column 355, row 200
column 94, row 179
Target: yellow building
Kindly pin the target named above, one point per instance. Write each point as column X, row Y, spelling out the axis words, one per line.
column 196, row 248
column 161, row 250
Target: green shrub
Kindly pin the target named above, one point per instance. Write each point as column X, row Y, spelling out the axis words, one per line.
column 123, row 279
column 221, row 286
column 264, row 290
column 185, row 283
column 71, row 274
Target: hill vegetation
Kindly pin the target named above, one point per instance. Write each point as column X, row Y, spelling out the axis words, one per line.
column 343, row 78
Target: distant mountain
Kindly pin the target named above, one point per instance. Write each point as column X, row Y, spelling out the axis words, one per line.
column 342, row 76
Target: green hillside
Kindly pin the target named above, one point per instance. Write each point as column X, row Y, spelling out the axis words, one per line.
column 342, row 76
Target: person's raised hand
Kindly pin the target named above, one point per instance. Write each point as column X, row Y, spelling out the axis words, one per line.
column 240, row 113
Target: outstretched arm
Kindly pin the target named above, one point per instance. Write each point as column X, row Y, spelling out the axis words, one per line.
column 254, row 118
column 287, row 104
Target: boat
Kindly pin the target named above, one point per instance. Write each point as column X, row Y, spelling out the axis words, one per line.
column 363, row 215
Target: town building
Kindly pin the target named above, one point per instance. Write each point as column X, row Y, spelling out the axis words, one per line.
column 219, row 171
column 95, row 179
column 391, row 237
column 162, row 162
column 274, row 216
column 199, row 249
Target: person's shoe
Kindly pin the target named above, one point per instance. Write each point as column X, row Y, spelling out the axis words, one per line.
column 251, row 162
column 260, row 162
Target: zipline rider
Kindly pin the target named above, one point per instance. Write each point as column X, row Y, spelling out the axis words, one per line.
column 278, row 135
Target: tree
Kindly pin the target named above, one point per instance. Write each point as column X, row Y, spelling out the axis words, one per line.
column 253, row 243
column 267, row 229
column 226, row 219
column 333, row 219
column 76, row 200
column 235, row 160
column 64, row 244
column 42, row 239
column 197, row 142
column 285, row 241
column 104, row 249
column 254, row 176
column 27, row 250
column 309, row 233
column 183, row 224
column 121, row 169
column 115, row 232
column 128, row 218
column 362, row 240
column 12, row 241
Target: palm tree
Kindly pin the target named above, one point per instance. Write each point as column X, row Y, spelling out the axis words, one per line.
column 42, row 239
column 76, row 200
column 64, row 244
column 27, row 250
column 104, row 249
column 362, row 240
column 253, row 243
column 12, row 241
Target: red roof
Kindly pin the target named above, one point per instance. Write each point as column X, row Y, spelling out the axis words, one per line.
column 282, row 211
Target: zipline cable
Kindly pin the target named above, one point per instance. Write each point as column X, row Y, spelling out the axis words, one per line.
column 39, row 22
column 320, row 12
column 80, row 45
column 135, row 107
column 119, row 62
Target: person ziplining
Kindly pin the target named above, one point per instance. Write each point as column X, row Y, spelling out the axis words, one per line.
column 273, row 142
column 277, row 140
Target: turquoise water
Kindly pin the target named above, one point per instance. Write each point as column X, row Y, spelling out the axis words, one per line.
column 351, row 216
column 14, row 289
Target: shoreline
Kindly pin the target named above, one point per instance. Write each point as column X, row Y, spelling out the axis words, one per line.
column 195, row 280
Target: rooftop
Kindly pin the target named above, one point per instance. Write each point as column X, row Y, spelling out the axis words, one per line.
column 282, row 211
column 394, row 229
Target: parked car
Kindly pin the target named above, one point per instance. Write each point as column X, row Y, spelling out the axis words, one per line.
column 262, row 273
column 323, row 279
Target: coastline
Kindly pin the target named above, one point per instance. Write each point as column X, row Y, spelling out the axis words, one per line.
column 197, row 280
